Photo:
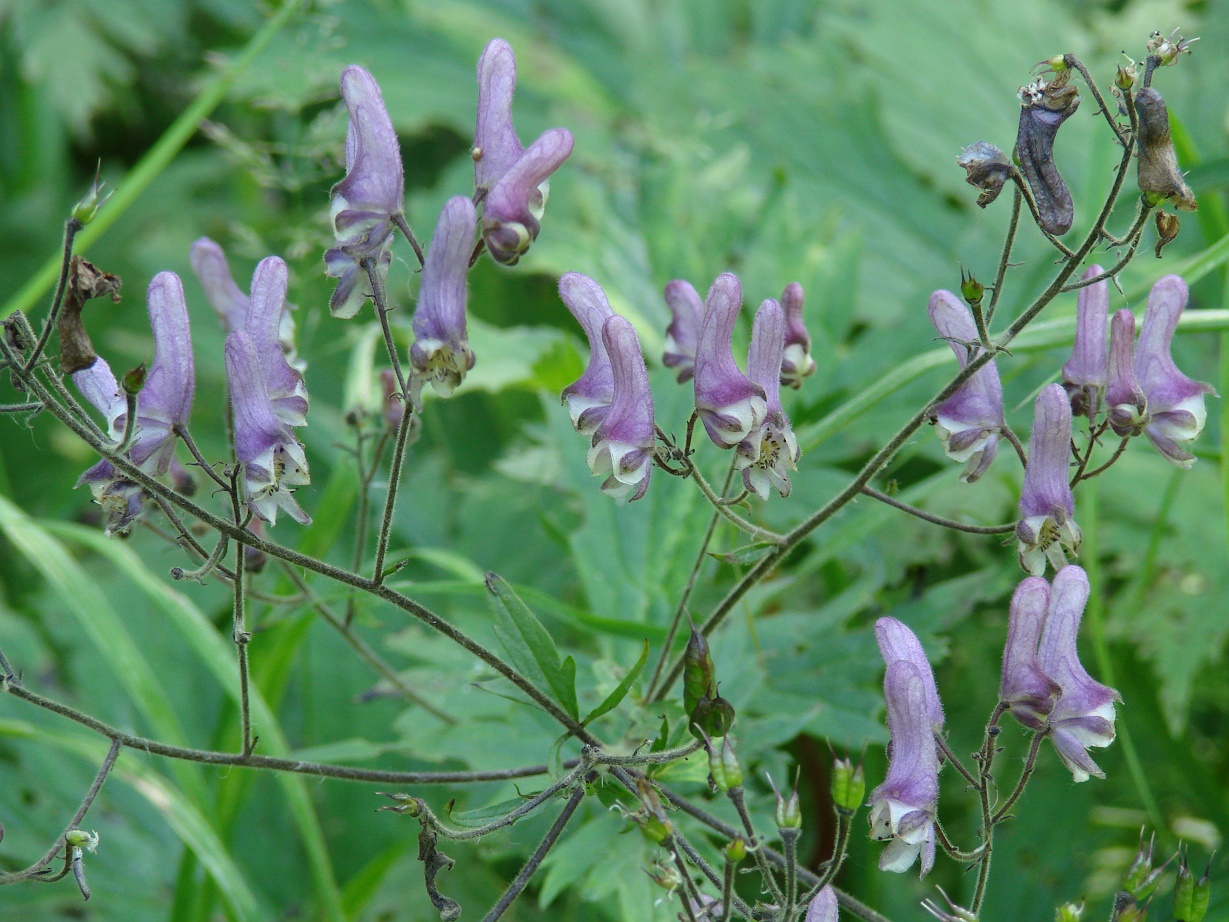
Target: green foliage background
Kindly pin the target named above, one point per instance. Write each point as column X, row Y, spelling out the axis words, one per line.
column 789, row 140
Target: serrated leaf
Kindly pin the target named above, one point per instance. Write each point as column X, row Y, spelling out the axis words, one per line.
column 615, row 697
column 529, row 645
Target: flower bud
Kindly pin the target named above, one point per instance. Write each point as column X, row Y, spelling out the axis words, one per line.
column 971, row 289
column 134, row 380
column 1127, row 75
column 723, row 766
column 1190, row 896
column 666, row 876
column 1069, row 912
column 406, row 803
column 86, row 209
column 848, row 785
column 787, row 814
column 712, row 717
column 79, row 838
column 735, row 850
column 698, row 672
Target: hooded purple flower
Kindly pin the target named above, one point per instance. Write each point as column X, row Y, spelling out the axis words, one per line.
column 770, row 450
column 688, row 311
column 904, row 807
column 263, row 323
column 1175, row 403
column 1127, row 407
column 796, row 363
column 441, row 352
column 589, row 396
column 1025, row 687
column 968, row 422
column 823, row 907
column 1083, row 716
column 230, row 303
column 1085, row 374
column 1047, row 508
column 372, row 193
column 272, row 458
column 623, row 440
column 514, row 179
column 730, row 404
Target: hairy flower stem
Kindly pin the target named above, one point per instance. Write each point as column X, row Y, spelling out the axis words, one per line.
column 877, row 461
column 1005, row 258
column 938, row 519
column 366, row 478
column 71, row 227
column 390, row 500
column 985, row 764
column 1029, row 764
column 830, row 868
column 738, row 798
column 539, row 855
column 399, row 220
column 38, row 869
column 380, row 298
column 211, row 563
column 239, row 632
column 1075, row 63
column 755, row 532
column 228, row 486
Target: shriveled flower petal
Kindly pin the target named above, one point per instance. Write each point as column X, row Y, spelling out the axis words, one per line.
column 512, row 210
column 1047, row 525
column 1083, row 716
column 684, row 331
column 1159, row 176
column 729, row 403
column 1044, row 107
column 496, row 145
column 897, row 642
column 969, row 422
column 797, row 363
column 904, row 807
column 1025, row 687
column 589, row 396
column 1086, row 372
column 373, row 191
column 272, row 458
column 440, row 353
column 987, row 168
column 1175, row 403
column 770, row 450
column 623, row 441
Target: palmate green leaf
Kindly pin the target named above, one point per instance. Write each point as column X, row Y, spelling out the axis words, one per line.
column 613, row 700
column 529, row 645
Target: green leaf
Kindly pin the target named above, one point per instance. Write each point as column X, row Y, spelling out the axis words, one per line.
column 742, row 556
column 472, row 819
column 612, row 700
column 529, row 646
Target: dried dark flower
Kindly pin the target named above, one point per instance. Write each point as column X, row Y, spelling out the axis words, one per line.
column 1044, row 107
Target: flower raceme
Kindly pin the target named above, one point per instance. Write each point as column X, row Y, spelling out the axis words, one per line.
column 1047, row 525
column 968, row 422
column 1044, row 684
column 367, row 201
column 512, row 180
column 903, row 808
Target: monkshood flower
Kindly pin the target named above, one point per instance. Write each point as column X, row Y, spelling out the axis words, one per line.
column 770, row 450
column 824, row 907
column 440, row 353
column 364, row 204
column 272, row 458
column 283, row 383
column 684, row 331
column 729, row 403
column 230, row 303
column 1083, row 716
column 904, row 807
column 514, row 179
column 1086, row 372
column 968, row 422
column 589, row 396
column 796, row 363
column 1025, row 688
column 1127, row 407
column 1175, row 403
column 623, row 441
column 1047, row 507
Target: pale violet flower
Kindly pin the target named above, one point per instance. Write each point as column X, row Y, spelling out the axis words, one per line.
column 1086, row 373
column 1025, row 688
column 796, row 363
column 1047, row 528
column 770, row 451
column 589, row 396
column 729, row 403
column 623, row 441
column 687, row 312
column 823, row 908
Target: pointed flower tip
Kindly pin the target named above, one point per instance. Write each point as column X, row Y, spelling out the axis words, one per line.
column 897, row 642
column 496, row 145
column 970, row 421
column 512, row 211
column 213, row 272
column 729, row 403
column 1047, row 529
column 589, row 397
column 623, row 441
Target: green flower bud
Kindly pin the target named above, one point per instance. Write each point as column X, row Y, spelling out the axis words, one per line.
column 698, row 672
column 787, row 814
column 406, row 803
column 1127, row 75
column 654, row 830
column 79, row 838
column 666, row 876
column 971, row 289
column 1069, row 912
column 848, row 785
column 1190, row 896
column 723, row 766
column 86, row 209
column 134, row 380
column 736, row 850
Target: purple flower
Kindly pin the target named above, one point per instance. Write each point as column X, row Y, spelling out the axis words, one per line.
column 441, row 352
column 824, row 907
column 968, row 422
column 729, row 403
column 1025, row 687
column 365, row 203
column 1047, row 508
column 623, row 441
column 263, row 323
column 681, row 336
column 1175, row 403
column 1085, row 374
column 770, row 450
column 904, row 807
column 1083, row 716
column 272, row 458
column 1127, row 411
column 515, row 180
column 796, row 364
column 589, row 396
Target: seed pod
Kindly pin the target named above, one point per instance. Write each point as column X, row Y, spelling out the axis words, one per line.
column 698, row 672
column 1159, row 176
column 1044, row 107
